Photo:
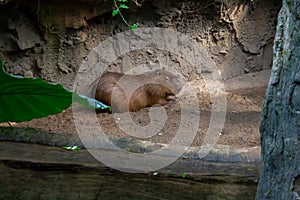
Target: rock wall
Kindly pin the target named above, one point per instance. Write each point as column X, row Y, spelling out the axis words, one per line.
column 50, row 39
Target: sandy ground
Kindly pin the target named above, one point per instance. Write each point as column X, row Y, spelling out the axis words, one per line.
column 244, row 97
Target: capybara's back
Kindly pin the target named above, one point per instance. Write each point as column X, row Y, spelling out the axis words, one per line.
column 125, row 92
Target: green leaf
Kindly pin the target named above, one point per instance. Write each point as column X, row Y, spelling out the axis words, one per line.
column 184, row 157
column 250, row 169
column 124, row 1
column 115, row 12
column 72, row 148
column 23, row 99
column 89, row 102
column 134, row 26
column 124, row 6
column 183, row 175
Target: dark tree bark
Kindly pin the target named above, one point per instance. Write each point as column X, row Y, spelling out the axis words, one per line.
column 280, row 120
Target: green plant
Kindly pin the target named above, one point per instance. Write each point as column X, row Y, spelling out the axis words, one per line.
column 23, row 99
column 72, row 148
column 117, row 11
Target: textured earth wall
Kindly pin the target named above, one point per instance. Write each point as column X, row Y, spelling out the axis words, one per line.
column 50, row 39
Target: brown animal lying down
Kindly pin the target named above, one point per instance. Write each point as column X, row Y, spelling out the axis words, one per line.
column 125, row 92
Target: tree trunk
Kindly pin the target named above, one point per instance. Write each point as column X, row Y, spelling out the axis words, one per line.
column 280, row 120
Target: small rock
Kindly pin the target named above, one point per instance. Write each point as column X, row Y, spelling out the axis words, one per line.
column 149, row 52
column 84, row 36
column 223, row 52
column 37, row 50
column 26, row 67
column 17, row 70
column 28, row 74
column 69, row 42
column 250, row 58
column 246, row 70
column 160, row 134
column 63, row 67
column 26, row 33
column 199, row 39
column 40, row 63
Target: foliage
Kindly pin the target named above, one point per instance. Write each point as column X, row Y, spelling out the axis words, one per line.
column 23, row 99
column 123, row 5
column 72, row 148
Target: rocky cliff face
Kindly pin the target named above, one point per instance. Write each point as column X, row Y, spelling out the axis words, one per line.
column 50, row 39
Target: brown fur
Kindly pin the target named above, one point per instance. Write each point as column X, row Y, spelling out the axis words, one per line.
column 156, row 87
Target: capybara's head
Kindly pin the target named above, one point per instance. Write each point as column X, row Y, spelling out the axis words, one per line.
column 170, row 81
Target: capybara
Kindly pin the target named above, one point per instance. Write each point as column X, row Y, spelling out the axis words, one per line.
column 124, row 92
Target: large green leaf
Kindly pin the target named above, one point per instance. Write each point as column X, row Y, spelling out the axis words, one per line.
column 23, row 99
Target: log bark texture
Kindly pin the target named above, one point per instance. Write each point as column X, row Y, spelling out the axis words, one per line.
column 280, row 120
